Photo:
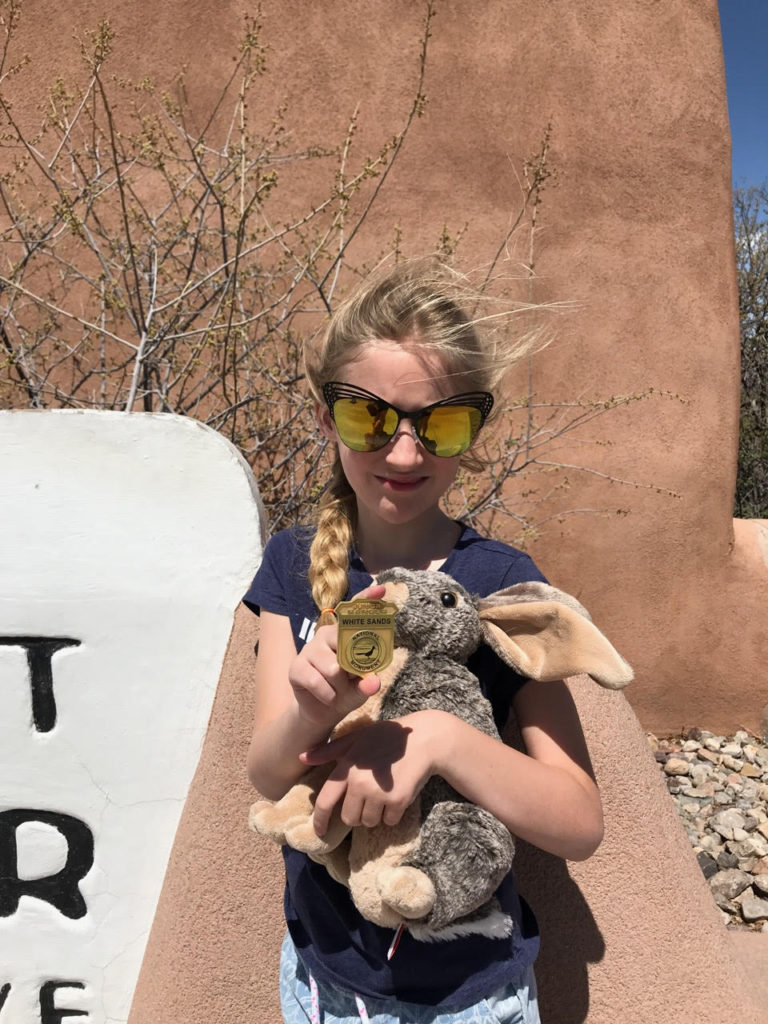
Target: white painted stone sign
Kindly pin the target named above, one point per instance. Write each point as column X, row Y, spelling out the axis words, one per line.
column 125, row 544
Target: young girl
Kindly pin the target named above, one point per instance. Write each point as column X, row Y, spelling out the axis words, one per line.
column 402, row 385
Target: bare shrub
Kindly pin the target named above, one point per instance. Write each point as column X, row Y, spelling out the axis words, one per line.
column 154, row 266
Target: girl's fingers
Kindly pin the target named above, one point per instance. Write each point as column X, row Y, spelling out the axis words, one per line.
column 312, row 681
column 368, row 685
column 371, row 813
column 392, row 813
column 374, row 592
column 327, row 798
column 326, row 752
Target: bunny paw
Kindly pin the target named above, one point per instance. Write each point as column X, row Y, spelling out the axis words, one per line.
column 301, row 835
column 406, row 890
column 271, row 820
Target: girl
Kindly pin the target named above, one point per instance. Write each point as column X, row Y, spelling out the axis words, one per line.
column 402, row 385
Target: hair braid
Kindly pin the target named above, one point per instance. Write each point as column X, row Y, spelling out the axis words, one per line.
column 329, row 553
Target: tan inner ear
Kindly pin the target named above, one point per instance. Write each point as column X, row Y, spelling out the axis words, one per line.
column 549, row 641
column 397, row 593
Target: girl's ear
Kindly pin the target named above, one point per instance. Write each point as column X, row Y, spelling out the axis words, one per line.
column 324, row 421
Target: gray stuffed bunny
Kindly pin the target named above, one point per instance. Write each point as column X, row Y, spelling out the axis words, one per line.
column 436, row 871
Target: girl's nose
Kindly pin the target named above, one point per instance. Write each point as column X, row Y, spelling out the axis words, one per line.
column 405, row 448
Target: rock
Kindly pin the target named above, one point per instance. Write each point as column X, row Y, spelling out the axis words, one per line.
column 709, row 866
column 752, row 846
column 731, row 750
column 749, row 794
column 714, row 742
column 754, row 909
column 727, row 885
column 724, row 822
column 704, row 791
column 710, row 755
column 720, row 788
column 711, row 844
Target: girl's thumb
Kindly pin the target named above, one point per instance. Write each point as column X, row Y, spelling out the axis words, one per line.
column 369, row 685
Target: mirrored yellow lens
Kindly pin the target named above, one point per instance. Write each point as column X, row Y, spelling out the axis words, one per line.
column 449, row 429
column 364, row 425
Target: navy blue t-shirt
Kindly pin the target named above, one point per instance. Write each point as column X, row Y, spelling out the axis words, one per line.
column 335, row 942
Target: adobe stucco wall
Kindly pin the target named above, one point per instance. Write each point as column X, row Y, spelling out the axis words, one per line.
column 637, row 231
column 630, row 935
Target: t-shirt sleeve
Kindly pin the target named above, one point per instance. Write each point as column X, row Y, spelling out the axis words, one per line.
column 499, row 682
column 523, row 570
column 267, row 589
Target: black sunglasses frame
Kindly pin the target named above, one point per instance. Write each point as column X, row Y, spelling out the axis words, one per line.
column 480, row 400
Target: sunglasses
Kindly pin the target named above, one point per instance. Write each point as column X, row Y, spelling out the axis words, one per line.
column 366, row 423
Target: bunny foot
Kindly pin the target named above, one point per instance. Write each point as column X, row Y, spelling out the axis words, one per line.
column 407, row 890
column 272, row 820
column 301, row 835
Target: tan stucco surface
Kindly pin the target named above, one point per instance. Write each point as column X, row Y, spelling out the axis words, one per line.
column 632, row 934
column 636, row 232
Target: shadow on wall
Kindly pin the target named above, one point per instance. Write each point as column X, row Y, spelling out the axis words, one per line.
column 571, row 939
column 611, row 926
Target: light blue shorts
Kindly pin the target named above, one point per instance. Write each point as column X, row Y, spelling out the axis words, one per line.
column 514, row 1004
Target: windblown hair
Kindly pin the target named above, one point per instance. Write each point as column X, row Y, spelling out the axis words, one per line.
column 422, row 302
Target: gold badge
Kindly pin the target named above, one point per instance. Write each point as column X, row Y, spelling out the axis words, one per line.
column 366, row 635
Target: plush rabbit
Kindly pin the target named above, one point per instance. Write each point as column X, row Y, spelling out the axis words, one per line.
column 436, row 871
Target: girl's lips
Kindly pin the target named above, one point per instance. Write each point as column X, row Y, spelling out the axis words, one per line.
column 401, row 483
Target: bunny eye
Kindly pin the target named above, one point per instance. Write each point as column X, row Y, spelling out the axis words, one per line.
column 448, row 599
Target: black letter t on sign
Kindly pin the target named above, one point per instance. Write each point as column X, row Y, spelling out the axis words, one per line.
column 40, row 650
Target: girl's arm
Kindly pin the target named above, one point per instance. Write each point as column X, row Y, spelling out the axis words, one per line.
column 299, row 700
column 547, row 796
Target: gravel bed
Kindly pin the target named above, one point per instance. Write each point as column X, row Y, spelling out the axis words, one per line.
column 720, row 788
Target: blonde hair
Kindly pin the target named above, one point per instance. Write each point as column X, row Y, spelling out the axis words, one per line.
column 420, row 301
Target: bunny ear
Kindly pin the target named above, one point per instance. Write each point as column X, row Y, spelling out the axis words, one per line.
column 549, row 640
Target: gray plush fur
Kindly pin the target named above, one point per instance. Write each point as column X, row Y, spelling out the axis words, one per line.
column 462, row 849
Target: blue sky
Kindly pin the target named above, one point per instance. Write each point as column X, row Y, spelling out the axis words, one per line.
column 744, row 25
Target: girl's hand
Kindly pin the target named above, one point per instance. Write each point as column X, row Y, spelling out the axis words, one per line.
column 380, row 769
column 324, row 692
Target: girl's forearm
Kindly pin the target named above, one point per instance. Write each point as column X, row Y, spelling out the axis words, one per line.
column 273, row 756
column 547, row 805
